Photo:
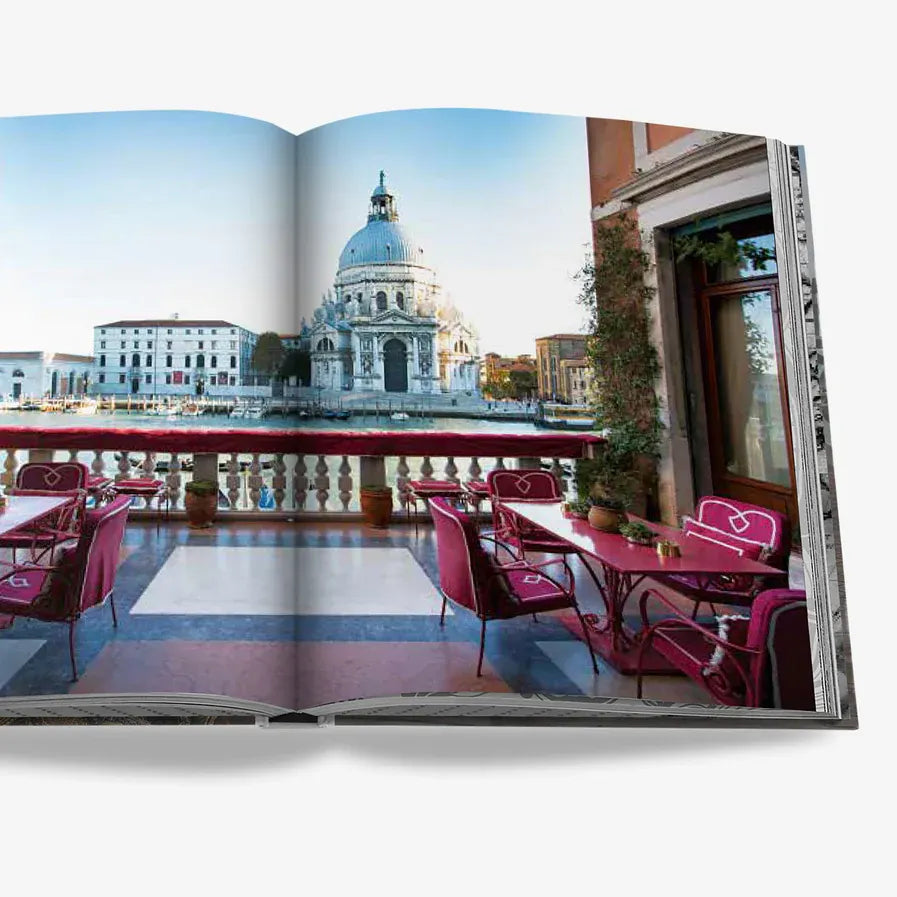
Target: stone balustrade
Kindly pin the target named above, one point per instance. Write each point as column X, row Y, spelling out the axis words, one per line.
column 290, row 473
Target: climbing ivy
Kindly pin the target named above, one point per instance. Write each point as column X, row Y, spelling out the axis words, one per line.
column 623, row 358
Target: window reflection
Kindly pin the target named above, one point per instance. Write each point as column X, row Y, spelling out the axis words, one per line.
column 750, row 400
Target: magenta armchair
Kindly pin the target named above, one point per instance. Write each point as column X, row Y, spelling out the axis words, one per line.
column 761, row 661
column 744, row 529
column 83, row 576
column 63, row 478
column 538, row 486
column 471, row 577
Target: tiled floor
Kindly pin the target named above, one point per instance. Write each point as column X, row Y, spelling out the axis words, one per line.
column 298, row 615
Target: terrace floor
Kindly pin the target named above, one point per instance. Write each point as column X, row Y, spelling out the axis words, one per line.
column 354, row 612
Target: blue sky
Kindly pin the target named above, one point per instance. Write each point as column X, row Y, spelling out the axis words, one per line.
column 113, row 215
column 141, row 214
column 499, row 201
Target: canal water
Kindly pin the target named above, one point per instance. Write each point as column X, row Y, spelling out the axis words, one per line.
column 47, row 419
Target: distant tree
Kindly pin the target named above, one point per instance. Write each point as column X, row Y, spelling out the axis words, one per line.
column 267, row 354
column 523, row 384
column 297, row 363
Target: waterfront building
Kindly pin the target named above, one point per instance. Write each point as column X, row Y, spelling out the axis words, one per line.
column 551, row 351
column 722, row 389
column 171, row 357
column 499, row 373
column 385, row 326
column 575, row 380
column 36, row 375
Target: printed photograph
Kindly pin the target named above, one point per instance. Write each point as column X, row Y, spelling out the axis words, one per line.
column 439, row 401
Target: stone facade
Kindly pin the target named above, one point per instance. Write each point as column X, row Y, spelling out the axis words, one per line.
column 384, row 326
column 43, row 374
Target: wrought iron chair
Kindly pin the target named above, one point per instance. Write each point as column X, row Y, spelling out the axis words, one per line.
column 760, row 661
column 750, row 531
column 54, row 478
column 83, row 576
column 471, row 577
column 146, row 488
column 524, row 486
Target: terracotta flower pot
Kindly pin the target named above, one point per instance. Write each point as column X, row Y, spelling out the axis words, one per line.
column 376, row 506
column 201, row 509
column 605, row 519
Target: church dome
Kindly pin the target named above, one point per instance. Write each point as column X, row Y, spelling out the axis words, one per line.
column 382, row 241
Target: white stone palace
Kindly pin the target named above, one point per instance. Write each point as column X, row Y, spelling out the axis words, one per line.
column 384, row 328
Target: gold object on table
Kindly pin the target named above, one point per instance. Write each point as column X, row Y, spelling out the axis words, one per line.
column 667, row 548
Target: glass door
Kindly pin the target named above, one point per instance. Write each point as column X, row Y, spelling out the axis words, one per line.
column 746, row 394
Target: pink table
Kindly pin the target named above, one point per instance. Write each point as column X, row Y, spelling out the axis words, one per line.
column 22, row 510
column 623, row 566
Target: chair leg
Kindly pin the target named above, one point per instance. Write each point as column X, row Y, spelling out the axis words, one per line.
column 442, row 615
column 112, row 605
column 482, row 647
column 694, row 612
column 585, row 632
column 72, row 650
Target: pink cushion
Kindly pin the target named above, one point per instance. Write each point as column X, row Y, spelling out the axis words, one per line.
column 137, row 483
column 694, row 529
column 435, row 487
column 19, row 590
column 526, row 591
column 745, row 548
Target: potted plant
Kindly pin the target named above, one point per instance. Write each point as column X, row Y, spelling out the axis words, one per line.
column 637, row 533
column 201, row 503
column 606, row 514
column 608, row 483
column 376, row 505
column 579, row 508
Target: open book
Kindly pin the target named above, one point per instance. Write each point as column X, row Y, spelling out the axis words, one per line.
column 436, row 415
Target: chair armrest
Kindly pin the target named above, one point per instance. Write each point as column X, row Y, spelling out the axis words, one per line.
column 563, row 562
column 22, row 568
column 485, row 537
column 681, row 622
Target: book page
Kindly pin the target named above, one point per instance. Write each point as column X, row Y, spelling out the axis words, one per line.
column 551, row 408
column 147, row 270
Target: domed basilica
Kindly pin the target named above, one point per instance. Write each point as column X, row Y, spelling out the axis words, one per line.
column 383, row 327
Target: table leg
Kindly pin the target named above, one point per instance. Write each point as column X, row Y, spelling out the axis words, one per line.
column 610, row 635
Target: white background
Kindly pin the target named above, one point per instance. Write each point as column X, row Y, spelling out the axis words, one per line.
column 509, row 811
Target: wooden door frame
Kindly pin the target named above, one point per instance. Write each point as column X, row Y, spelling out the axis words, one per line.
column 705, row 294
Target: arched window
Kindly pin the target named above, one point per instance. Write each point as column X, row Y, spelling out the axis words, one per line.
column 325, row 345
column 200, row 360
column 135, row 360
column 400, row 300
column 381, row 301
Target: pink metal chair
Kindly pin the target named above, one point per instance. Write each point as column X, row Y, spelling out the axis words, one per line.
column 83, row 576
column 147, row 488
column 748, row 530
column 761, row 661
column 524, row 486
column 471, row 577
column 425, row 491
column 68, row 478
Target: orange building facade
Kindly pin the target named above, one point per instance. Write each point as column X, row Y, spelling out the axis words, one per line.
column 716, row 326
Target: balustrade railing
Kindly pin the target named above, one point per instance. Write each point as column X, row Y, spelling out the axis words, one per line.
column 289, row 473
